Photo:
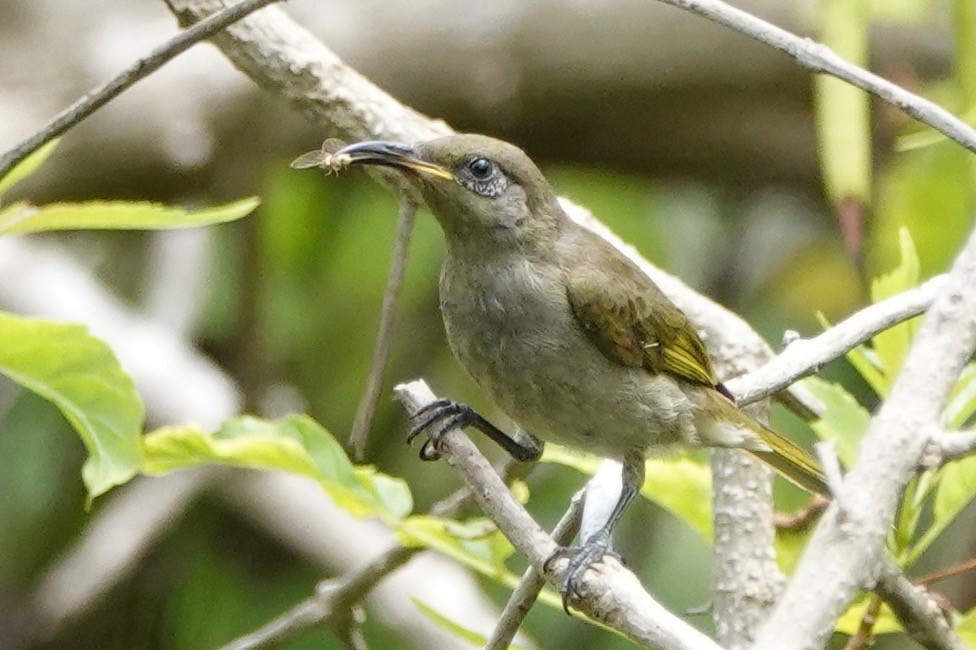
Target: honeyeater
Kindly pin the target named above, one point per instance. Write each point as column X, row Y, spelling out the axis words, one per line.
column 565, row 334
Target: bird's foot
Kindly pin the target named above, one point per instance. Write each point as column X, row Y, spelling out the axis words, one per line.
column 581, row 558
column 437, row 418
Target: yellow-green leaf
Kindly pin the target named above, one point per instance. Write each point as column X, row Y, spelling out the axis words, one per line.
column 293, row 444
column 967, row 628
column 680, row 485
column 962, row 400
column 892, row 344
column 22, row 218
column 472, row 637
column 81, row 376
column 27, row 166
column 844, row 420
column 850, row 621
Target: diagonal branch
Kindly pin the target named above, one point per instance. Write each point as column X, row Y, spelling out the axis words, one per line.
column 819, row 58
column 334, row 599
column 532, row 582
column 803, row 357
column 918, row 613
column 610, row 594
column 141, row 69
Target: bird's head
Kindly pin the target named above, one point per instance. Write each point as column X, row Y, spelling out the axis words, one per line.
column 476, row 186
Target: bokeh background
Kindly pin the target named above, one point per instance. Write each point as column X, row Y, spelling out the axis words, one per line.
column 693, row 143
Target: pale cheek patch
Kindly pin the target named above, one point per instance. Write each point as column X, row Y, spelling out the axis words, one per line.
column 324, row 157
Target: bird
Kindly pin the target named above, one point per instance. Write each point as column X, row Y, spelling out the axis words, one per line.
column 564, row 333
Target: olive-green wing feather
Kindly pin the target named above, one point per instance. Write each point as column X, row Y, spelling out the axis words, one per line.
column 633, row 323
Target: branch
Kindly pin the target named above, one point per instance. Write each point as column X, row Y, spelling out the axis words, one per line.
column 141, row 69
column 819, row 58
column 921, row 616
column 847, row 549
column 945, row 446
column 334, row 599
column 610, row 593
column 532, row 582
column 384, row 334
column 331, row 604
column 803, row 357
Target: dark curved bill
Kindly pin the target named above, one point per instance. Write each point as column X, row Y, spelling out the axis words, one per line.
column 391, row 154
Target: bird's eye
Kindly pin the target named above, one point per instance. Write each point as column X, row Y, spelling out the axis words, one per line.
column 481, row 168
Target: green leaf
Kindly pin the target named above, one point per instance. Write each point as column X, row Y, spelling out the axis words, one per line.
column 27, row 166
column 680, row 485
column 962, row 400
column 476, row 543
column 957, row 487
column 294, row 444
column 967, row 628
column 892, row 344
column 850, row 621
column 843, row 112
column 115, row 215
column 844, row 420
column 472, row 637
column 81, row 376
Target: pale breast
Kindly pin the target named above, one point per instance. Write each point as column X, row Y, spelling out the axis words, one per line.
column 511, row 327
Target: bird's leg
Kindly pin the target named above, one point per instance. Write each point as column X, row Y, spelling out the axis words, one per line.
column 597, row 545
column 444, row 414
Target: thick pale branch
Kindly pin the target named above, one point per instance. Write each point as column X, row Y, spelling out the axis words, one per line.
column 610, row 593
column 819, row 58
column 919, row 614
column 135, row 72
column 846, row 551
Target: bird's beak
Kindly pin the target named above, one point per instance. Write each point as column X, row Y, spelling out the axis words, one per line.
column 391, row 154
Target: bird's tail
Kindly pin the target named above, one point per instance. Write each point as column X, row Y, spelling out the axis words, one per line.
column 792, row 462
column 722, row 424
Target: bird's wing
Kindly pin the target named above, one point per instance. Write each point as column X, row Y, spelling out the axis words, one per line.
column 633, row 323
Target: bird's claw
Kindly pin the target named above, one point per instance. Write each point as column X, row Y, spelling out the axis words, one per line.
column 436, row 418
column 581, row 558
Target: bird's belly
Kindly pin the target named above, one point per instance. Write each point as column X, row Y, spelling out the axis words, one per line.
column 554, row 383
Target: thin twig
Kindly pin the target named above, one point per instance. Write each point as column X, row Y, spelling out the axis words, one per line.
column 334, row 598
column 862, row 638
column 950, row 572
column 532, row 582
column 804, row 517
column 826, row 452
column 819, row 58
column 384, row 334
column 331, row 602
column 141, row 69
column 802, row 357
